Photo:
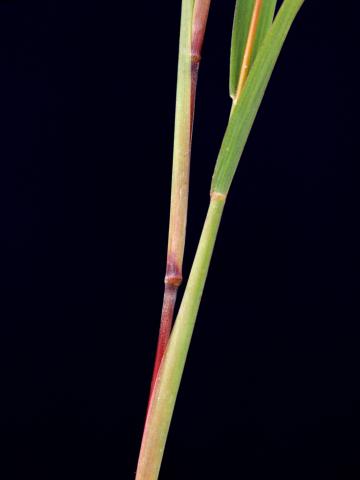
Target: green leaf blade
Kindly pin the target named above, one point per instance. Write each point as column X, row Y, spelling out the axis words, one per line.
column 265, row 21
column 245, row 111
column 241, row 26
column 240, row 30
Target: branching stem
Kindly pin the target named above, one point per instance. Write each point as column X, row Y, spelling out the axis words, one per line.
column 168, row 380
column 171, row 366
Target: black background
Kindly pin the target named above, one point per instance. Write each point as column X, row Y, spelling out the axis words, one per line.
column 271, row 387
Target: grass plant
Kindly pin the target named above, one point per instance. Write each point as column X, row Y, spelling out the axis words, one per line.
column 257, row 39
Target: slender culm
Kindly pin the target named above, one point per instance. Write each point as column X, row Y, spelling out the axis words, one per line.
column 193, row 26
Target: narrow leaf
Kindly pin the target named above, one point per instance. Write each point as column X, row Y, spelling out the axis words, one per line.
column 245, row 111
column 265, row 21
column 241, row 26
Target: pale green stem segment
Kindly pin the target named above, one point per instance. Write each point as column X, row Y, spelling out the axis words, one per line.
column 245, row 111
column 179, row 182
column 190, row 53
column 169, row 377
column 182, row 140
column 242, row 19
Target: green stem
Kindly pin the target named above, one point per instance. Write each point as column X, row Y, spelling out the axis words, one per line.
column 191, row 40
column 179, row 183
column 168, row 380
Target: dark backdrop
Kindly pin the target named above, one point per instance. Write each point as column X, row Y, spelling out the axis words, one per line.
column 271, row 387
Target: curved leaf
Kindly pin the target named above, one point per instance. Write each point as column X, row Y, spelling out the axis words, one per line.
column 241, row 25
column 245, row 111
